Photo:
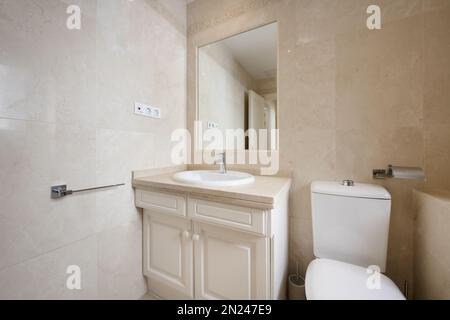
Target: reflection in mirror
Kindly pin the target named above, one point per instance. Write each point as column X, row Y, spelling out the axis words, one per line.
column 237, row 85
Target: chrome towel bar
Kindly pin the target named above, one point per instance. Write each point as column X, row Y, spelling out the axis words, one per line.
column 61, row 190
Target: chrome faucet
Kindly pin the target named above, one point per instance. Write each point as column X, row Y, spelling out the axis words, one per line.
column 222, row 162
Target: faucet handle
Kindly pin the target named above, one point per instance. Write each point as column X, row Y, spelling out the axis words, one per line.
column 221, row 156
column 222, row 162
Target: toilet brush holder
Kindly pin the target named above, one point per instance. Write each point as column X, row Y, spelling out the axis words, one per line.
column 296, row 287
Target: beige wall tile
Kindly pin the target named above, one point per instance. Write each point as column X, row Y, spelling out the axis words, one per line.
column 437, row 96
column 67, row 117
column 350, row 99
column 437, row 155
column 36, row 155
column 45, row 276
column 120, row 262
column 432, row 245
column 47, row 71
column 300, row 244
column 432, row 5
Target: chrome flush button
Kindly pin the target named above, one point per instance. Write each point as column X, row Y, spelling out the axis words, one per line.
column 348, row 183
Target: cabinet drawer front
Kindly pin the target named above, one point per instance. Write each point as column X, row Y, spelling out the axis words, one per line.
column 161, row 202
column 236, row 217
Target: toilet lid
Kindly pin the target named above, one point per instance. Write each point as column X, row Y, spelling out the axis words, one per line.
column 333, row 280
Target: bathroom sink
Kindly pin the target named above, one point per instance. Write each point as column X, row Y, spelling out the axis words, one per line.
column 214, row 178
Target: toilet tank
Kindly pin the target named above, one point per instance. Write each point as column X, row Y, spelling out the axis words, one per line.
column 351, row 223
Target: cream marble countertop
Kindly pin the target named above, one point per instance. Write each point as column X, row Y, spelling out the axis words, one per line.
column 264, row 191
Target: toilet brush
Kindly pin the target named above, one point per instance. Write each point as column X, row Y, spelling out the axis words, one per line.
column 296, row 285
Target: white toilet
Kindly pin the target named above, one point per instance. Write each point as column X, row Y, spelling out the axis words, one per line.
column 350, row 233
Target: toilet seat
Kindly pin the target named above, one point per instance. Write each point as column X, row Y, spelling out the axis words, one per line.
column 334, row 280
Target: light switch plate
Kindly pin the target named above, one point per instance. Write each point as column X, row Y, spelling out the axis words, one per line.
column 147, row 111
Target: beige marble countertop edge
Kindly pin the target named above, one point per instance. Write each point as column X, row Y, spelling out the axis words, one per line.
column 164, row 181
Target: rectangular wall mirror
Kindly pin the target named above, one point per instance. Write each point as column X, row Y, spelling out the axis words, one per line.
column 237, row 85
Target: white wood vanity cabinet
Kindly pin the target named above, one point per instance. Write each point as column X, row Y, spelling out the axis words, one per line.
column 199, row 245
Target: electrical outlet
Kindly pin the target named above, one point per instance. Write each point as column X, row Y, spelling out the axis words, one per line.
column 211, row 125
column 147, row 111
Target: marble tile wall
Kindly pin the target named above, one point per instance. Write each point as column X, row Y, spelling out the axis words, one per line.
column 431, row 241
column 437, row 94
column 66, row 116
column 66, row 101
column 432, row 245
column 350, row 99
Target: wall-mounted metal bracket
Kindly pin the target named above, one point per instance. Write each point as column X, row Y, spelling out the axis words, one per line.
column 381, row 174
column 61, row 191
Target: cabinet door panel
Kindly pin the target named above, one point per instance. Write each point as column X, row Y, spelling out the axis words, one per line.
column 168, row 252
column 230, row 265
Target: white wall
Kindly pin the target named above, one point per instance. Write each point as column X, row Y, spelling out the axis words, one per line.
column 66, row 102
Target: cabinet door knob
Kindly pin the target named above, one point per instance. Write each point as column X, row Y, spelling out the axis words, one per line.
column 196, row 237
column 186, row 234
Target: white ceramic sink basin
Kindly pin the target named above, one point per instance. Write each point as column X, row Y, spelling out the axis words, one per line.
column 214, row 178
